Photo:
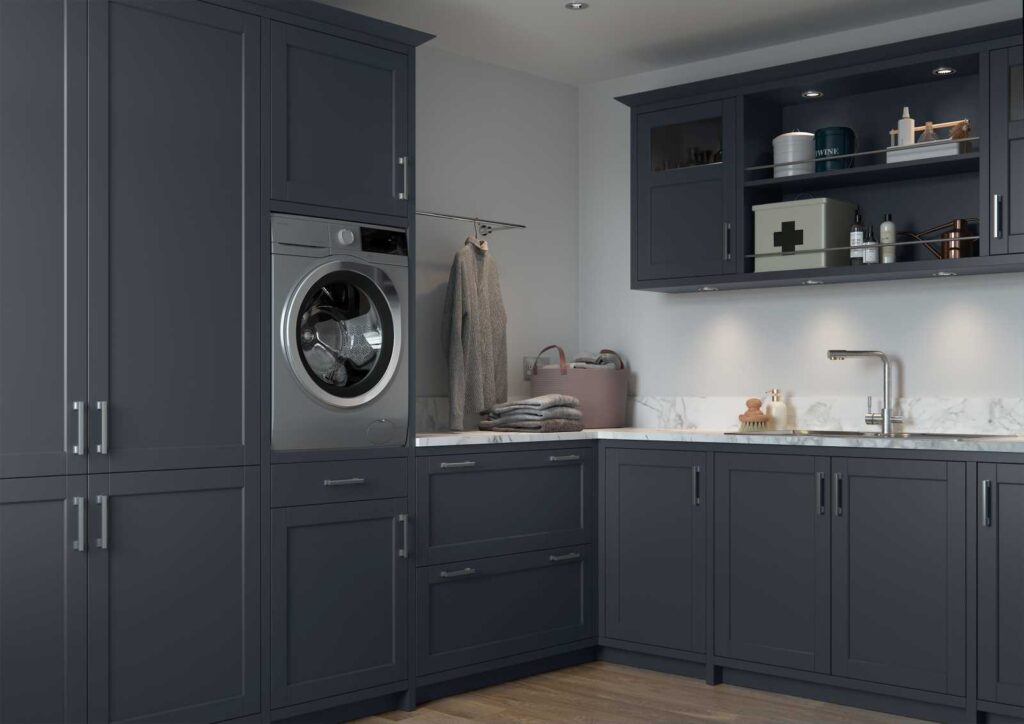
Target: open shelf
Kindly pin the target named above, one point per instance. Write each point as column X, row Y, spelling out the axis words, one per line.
column 876, row 173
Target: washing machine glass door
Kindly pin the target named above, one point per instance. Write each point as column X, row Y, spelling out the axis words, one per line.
column 341, row 333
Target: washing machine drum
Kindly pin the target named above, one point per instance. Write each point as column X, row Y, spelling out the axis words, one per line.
column 344, row 334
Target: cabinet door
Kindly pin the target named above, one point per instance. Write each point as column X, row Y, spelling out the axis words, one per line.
column 42, row 247
column 339, row 602
column 338, row 122
column 173, row 234
column 684, row 196
column 899, row 567
column 654, row 536
column 772, row 560
column 1001, row 584
column 1006, row 155
column 42, row 600
column 174, row 595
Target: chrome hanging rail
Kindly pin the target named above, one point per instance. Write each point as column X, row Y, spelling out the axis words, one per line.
column 486, row 225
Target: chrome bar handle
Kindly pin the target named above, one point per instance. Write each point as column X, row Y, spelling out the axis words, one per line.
column 403, row 161
column 986, row 503
column 79, row 447
column 454, row 466
column 821, row 493
column 403, row 518
column 103, row 542
column 562, row 458
column 695, row 484
column 79, row 543
column 458, row 574
column 344, row 481
column 103, row 446
column 564, row 557
column 838, row 492
column 997, row 216
column 726, row 241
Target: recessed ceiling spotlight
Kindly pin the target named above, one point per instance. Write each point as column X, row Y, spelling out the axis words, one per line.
column 708, row 289
column 812, row 93
column 944, row 274
column 577, row 6
column 943, row 70
column 812, row 282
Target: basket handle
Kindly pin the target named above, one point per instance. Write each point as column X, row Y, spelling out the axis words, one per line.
column 561, row 359
column 622, row 365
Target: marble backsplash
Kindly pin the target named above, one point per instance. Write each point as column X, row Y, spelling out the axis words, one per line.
column 974, row 415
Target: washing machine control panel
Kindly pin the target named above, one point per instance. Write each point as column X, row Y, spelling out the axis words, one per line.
column 309, row 236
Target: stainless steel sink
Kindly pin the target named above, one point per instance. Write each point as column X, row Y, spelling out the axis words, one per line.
column 870, row 434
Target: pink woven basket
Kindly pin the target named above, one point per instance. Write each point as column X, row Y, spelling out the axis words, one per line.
column 601, row 391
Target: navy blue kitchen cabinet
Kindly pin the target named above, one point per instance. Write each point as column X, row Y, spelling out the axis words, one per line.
column 173, row 595
column 1006, row 117
column 899, row 570
column 43, row 298
column 1001, row 583
column 339, row 116
column 654, row 536
column 685, row 192
column 43, row 550
column 173, row 235
column 772, row 559
column 339, row 598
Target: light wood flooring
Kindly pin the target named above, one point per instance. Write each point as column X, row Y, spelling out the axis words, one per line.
column 604, row 692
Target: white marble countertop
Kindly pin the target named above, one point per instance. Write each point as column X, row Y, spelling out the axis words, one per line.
column 1009, row 444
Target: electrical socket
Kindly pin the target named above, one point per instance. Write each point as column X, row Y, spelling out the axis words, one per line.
column 528, row 366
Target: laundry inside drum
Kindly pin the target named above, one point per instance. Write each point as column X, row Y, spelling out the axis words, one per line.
column 340, row 333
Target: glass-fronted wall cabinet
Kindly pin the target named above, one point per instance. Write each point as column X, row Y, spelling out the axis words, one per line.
column 684, row 192
column 1007, row 164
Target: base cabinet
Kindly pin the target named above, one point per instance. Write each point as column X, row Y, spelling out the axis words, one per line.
column 42, row 601
column 173, row 595
column 654, row 537
column 487, row 609
column 772, row 560
column 1001, row 584
column 338, row 599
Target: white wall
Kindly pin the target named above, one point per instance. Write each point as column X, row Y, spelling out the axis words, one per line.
column 500, row 144
column 954, row 337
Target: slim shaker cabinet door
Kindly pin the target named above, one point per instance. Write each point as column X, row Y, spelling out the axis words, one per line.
column 42, row 599
column 173, row 235
column 339, row 602
column 339, row 115
column 684, row 181
column 654, row 537
column 1001, row 584
column 899, row 551
column 1006, row 116
column 771, row 560
column 42, row 245
column 174, row 595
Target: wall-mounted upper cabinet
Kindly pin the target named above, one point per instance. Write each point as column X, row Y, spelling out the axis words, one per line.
column 703, row 162
column 339, row 120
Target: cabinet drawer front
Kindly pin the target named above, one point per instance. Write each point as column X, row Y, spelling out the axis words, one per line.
column 337, row 482
column 486, row 609
column 488, row 504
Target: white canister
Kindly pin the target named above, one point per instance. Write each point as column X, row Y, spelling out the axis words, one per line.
column 794, row 146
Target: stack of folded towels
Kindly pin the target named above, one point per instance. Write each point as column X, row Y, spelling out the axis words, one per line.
column 547, row 413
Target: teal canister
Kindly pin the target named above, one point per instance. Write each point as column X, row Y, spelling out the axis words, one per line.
column 833, row 141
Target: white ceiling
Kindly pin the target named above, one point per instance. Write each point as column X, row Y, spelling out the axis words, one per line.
column 614, row 38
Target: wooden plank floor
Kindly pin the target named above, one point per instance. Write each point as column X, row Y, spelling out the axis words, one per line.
column 603, row 692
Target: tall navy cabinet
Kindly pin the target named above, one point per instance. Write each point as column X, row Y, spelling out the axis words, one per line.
column 1006, row 76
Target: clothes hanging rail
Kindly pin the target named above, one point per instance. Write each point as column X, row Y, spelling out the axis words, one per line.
column 486, row 226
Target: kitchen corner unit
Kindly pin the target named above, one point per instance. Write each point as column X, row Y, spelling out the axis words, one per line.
column 702, row 160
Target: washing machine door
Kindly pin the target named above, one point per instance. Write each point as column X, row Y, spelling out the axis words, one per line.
column 341, row 332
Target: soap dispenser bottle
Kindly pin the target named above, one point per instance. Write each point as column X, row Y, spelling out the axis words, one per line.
column 777, row 410
column 905, row 129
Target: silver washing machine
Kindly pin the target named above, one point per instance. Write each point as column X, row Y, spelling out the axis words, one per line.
column 340, row 373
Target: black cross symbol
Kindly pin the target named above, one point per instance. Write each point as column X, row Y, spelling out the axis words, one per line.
column 789, row 238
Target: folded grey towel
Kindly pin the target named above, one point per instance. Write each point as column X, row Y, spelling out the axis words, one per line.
column 533, row 414
column 604, row 359
column 532, row 426
column 535, row 403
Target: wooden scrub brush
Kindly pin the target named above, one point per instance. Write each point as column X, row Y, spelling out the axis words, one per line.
column 753, row 420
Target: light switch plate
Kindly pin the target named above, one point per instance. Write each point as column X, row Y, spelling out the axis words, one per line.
column 528, row 365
